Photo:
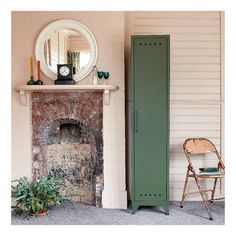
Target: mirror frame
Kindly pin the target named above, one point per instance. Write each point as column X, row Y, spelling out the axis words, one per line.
column 72, row 25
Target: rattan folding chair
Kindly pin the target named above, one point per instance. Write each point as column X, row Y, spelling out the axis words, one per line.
column 193, row 146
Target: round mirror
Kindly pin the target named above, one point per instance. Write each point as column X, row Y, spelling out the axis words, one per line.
column 66, row 42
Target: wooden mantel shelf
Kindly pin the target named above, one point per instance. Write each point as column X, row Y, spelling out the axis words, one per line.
column 25, row 90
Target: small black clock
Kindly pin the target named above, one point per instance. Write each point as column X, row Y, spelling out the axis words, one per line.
column 64, row 74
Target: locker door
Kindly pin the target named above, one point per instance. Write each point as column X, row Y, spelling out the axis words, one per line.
column 150, row 116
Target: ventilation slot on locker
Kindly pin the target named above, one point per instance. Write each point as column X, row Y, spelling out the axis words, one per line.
column 150, row 194
column 150, row 44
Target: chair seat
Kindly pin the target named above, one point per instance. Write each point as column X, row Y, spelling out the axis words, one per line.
column 204, row 175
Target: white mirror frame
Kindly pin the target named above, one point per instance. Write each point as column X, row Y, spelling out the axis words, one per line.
column 70, row 25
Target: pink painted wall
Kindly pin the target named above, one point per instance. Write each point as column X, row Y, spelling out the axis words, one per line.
column 108, row 29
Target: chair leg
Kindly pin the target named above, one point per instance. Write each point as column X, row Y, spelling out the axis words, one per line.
column 184, row 190
column 204, row 200
column 213, row 190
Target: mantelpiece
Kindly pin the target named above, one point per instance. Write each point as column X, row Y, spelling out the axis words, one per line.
column 26, row 90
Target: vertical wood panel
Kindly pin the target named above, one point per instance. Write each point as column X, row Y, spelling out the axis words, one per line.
column 196, row 78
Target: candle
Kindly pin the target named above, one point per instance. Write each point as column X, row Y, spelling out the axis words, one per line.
column 31, row 67
column 38, row 82
column 38, row 63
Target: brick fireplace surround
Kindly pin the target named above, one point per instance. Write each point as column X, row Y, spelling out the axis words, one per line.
column 77, row 159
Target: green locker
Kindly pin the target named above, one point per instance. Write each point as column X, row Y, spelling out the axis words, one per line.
column 150, row 121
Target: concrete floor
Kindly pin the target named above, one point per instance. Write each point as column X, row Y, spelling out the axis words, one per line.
column 193, row 213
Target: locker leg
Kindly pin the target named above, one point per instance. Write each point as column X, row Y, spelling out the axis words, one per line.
column 134, row 207
column 166, row 209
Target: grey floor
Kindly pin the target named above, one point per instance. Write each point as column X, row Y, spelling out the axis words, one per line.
column 193, row 213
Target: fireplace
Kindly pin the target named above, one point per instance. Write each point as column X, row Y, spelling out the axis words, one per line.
column 67, row 141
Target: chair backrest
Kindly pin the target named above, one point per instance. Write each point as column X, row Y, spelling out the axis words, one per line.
column 201, row 146
column 198, row 146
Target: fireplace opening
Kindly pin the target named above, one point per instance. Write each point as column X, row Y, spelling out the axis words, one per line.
column 69, row 133
column 73, row 151
column 71, row 148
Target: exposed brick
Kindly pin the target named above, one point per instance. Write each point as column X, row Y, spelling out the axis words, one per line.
column 49, row 111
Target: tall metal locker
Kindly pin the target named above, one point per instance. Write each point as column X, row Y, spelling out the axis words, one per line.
column 150, row 121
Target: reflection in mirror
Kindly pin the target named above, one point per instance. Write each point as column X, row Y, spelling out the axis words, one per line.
column 66, row 41
column 67, row 46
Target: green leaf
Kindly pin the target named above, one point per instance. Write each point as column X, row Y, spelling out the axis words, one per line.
column 32, row 196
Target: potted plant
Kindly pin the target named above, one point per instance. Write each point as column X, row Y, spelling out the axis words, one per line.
column 35, row 197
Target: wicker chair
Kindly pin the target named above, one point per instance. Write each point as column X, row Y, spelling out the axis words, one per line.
column 193, row 146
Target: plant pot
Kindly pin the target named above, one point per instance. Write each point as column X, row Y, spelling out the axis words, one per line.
column 42, row 212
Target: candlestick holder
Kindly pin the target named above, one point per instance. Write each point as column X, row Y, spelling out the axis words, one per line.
column 31, row 81
column 39, row 82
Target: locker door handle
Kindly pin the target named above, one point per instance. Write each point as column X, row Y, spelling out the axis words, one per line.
column 136, row 121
